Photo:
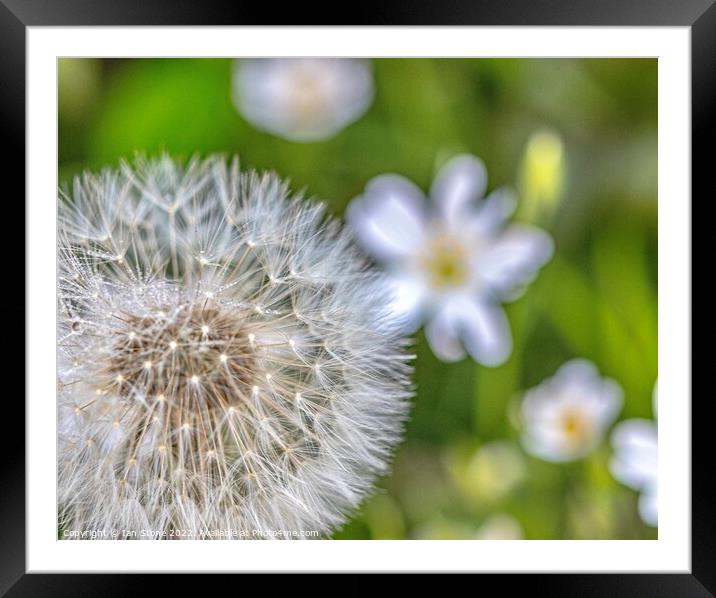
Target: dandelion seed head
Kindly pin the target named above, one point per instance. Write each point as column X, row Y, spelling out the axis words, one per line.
column 189, row 404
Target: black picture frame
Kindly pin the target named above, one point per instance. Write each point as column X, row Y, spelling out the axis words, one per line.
column 699, row 15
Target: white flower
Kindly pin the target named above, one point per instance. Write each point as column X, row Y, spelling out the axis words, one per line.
column 566, row 416
column 227, row 360
column 302, row 99
column 452, row 262
column 500, row 526
column 635, row 461
column 496, row 469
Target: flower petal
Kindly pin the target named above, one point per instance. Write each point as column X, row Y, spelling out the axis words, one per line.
column 578, row 375
column 463, row 323
column 512, row 260
column 635, row 458
column 442, row 335
column 609, row 401
column 649, row 507
column 389, row 217
column 486, row 332
column 462, row 180
column 408, row 298
column 494, row 211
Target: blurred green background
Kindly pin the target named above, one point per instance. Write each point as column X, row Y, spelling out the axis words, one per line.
column 576, row 138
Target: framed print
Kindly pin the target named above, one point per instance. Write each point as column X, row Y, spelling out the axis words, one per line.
column 420, row 296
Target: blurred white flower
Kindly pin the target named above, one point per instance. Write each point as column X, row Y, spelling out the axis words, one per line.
column 500, row 527
column 635, row 461
column 566, row 416
column 494, row 471
column 302, row 99
column 452, row 262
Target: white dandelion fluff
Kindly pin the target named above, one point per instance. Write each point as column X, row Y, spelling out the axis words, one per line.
column 227, row 360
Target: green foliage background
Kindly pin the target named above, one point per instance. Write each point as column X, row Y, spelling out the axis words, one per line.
column 597, row 298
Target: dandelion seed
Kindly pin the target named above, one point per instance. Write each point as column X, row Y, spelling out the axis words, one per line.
column 170, row 346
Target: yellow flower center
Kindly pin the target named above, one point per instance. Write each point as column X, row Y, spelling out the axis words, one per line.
column 575, row 425
column 308, row 98
column 446, row 263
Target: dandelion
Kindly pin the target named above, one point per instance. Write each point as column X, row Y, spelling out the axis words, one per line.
column 566, row 416
column 302, row 99
column 227, row 359
column 635, row 461
column 451, row 264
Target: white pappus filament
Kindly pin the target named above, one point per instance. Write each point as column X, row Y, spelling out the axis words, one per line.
column 227, row 359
